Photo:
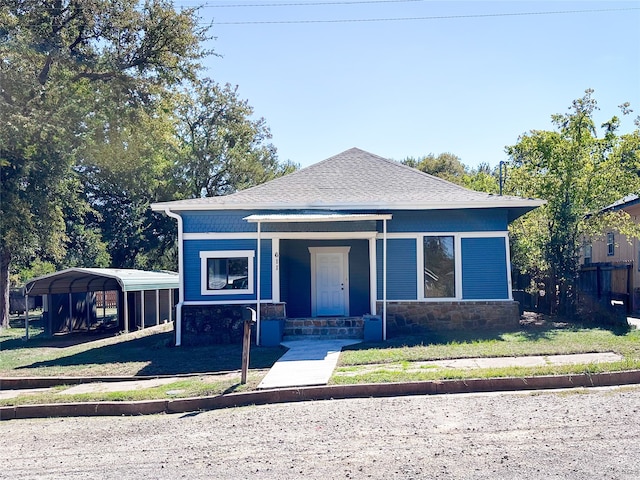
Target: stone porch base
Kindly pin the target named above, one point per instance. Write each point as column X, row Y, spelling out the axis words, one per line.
column 415, row 317
column 224, row 323
column 324, row 327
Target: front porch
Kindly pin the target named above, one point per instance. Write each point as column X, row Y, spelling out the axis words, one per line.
column 324, row 327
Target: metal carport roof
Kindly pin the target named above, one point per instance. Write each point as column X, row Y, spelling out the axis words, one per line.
column 77, row 280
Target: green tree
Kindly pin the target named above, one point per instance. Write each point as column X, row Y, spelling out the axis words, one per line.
column 54, row 58
column 223, row 149
column 446, row 166
column 482, row 179
column 125, row 164
column 449, row 167
column 578, row 174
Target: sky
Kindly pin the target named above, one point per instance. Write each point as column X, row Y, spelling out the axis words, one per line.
column 408, row 78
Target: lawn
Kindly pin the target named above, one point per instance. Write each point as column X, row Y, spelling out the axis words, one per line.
column 406, row 358
column 141, row 353
column 214, row 369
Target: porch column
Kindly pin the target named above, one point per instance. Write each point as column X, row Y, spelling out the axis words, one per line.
column 275, row 270
column 384, row 279
column 258, row 271
column 373, row 275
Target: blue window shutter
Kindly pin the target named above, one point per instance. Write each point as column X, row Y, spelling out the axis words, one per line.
column 484, row 269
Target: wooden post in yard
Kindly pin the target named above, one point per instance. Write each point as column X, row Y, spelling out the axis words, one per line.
column 249, row 318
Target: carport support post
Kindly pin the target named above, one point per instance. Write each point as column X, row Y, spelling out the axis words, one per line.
column 157, row 307
column 143, row 300
column 87, row 298
column 26, row 317
column 126, row 311
column 70, row 312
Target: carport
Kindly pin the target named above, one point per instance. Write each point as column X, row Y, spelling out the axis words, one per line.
column 143, row 296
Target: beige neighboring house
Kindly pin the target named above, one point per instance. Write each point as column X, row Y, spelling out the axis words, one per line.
column 617, row 250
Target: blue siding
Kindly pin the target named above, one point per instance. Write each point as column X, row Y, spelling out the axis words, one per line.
column 295, row 284
column 266, row 272
column 233, row 221
column 484, row 269
column 295, row 273
column 214, row 221
column 401, row 269
column 403, row 221
column 193, row 275
column 472, row 220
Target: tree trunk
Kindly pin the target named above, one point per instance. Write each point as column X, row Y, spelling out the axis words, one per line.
column 5, row 262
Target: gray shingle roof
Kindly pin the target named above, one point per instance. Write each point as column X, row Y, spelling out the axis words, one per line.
column 353, row 180
column 627, row 201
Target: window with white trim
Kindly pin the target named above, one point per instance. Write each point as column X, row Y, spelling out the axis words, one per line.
column 611, row 246
column 227, row 272
column 439, row 278
column 588, row 252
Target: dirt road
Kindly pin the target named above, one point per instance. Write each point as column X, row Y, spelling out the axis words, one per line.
column 569, row 435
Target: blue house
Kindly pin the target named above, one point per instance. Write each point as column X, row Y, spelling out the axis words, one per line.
column 353, row 236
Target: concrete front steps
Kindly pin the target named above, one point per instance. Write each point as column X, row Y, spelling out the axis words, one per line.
column 324, row 328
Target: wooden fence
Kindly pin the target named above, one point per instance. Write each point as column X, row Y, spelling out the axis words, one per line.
column 607, row 283
column 107, row 299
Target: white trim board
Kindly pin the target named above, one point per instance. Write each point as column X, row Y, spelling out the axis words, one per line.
column 280, row 235
column 449, row 300
column 475, row 234
column 248, row 301
column 332, row 235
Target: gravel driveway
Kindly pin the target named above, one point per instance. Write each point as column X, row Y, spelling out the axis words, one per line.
column 580, row 434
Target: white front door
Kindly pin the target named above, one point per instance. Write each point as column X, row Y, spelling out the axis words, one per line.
column 329, row 281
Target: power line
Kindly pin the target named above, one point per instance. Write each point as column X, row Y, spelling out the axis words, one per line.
column 308, row 4
column 438, row 17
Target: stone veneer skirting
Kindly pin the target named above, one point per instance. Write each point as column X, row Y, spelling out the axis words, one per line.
column 414, row 317
column 221, row 324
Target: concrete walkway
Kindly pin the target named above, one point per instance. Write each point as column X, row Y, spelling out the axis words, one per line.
column 527, row 361
column 306, row 363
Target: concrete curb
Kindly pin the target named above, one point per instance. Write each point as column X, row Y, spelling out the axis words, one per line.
column 285, row 395
column 22, row 383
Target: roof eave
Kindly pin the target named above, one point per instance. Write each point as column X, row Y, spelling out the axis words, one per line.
column 521, row 203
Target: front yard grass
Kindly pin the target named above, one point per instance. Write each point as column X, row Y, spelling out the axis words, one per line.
column 401, row 359
column 214, row 369
column 147, row 352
